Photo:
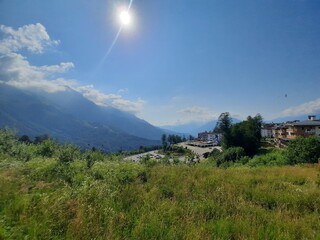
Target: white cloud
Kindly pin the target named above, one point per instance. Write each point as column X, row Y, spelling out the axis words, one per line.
column 196, row 114
column 16, row 70
column 33, row 37
column 123, row 90
column 110, row 100
column 305, row 108
column 129, row 106
column 61, row 68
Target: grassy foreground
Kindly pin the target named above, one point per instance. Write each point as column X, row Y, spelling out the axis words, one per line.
column 44, row 199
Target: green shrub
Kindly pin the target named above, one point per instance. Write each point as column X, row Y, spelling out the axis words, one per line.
column 149, row 162
column 7, row 140
column 23, row 151
column 230, row 155
column 47, row 148
column 68, row 153
column 93, row 156
column 275, row 158
column 303, row 150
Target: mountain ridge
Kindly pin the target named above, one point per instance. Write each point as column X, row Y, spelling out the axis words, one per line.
column 34, row 114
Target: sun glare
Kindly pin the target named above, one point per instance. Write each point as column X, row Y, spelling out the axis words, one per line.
column 125, row 18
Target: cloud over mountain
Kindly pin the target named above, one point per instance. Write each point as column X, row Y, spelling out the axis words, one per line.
column 17, row 71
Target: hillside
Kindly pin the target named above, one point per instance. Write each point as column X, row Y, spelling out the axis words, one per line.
column 33, row 115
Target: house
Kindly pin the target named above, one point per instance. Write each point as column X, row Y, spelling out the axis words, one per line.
column 209, row 136
column 279, row 131
column 266, row 130
column 294, row 129
column 306, row 128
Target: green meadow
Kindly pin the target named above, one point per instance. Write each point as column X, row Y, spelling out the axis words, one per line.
column 53, row 191
column 44, row 199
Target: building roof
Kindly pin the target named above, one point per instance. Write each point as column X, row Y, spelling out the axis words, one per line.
column 307, row 123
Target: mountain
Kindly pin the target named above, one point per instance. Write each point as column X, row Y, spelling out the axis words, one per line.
column 74, row 103
column 195, row 127
column 35, row 114
column 187, row 128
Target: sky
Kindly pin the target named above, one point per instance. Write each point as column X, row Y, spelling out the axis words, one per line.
column 178, row 61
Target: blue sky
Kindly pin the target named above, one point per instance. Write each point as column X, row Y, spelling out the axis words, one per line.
column 178, row 61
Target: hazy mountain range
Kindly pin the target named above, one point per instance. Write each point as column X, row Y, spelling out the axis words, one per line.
column 69, row 117
column 195, row 127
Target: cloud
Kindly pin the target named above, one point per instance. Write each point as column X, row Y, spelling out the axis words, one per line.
column 195, row 110
column 123, row 90
column 16, row 70
column 305, row 108
column 110, row 100
column 33, row 37
column 196, row 114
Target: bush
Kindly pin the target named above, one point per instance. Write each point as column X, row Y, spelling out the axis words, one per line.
column 7, row 141
column 232, row 154
column 47, row 148
column 149, row 162
column 68, row 153
column 93, row 156
column 303, row 150
column 275, row 158
column 23, row 151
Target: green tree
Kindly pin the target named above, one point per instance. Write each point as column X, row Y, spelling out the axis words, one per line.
column 247, row 134
column 25, row 139
column 223, row 126
column 164, row 142
column 41, row 138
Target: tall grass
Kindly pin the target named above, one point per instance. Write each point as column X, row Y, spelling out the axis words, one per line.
column 46, row 198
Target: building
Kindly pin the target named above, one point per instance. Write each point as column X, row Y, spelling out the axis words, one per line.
column 209, row 137
column 306, row 128
column 294, row 129
column 266, row 130
column 279, row 131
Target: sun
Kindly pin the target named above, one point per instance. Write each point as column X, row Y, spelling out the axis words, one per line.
column 125, row 18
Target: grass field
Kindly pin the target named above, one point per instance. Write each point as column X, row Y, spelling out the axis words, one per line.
column 44, row 199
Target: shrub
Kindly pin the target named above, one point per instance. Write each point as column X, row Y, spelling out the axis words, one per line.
column 274, row 158
column 148, row 161
column 7, row 141
column 23, row 151
column 303, row 150
column 68, row 153
column 93, row 156
column 47, row 148
column 232, row 154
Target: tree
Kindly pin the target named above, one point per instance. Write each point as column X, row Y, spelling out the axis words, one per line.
column 25, row 139
column 223, row 126
column 41, row 138
column 164, row 142
column 247, row 134
column 191, row 138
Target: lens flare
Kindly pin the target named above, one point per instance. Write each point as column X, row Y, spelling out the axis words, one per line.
column 125, row 18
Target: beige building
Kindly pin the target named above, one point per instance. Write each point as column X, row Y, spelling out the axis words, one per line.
column 292, row 130
column 304, row 129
